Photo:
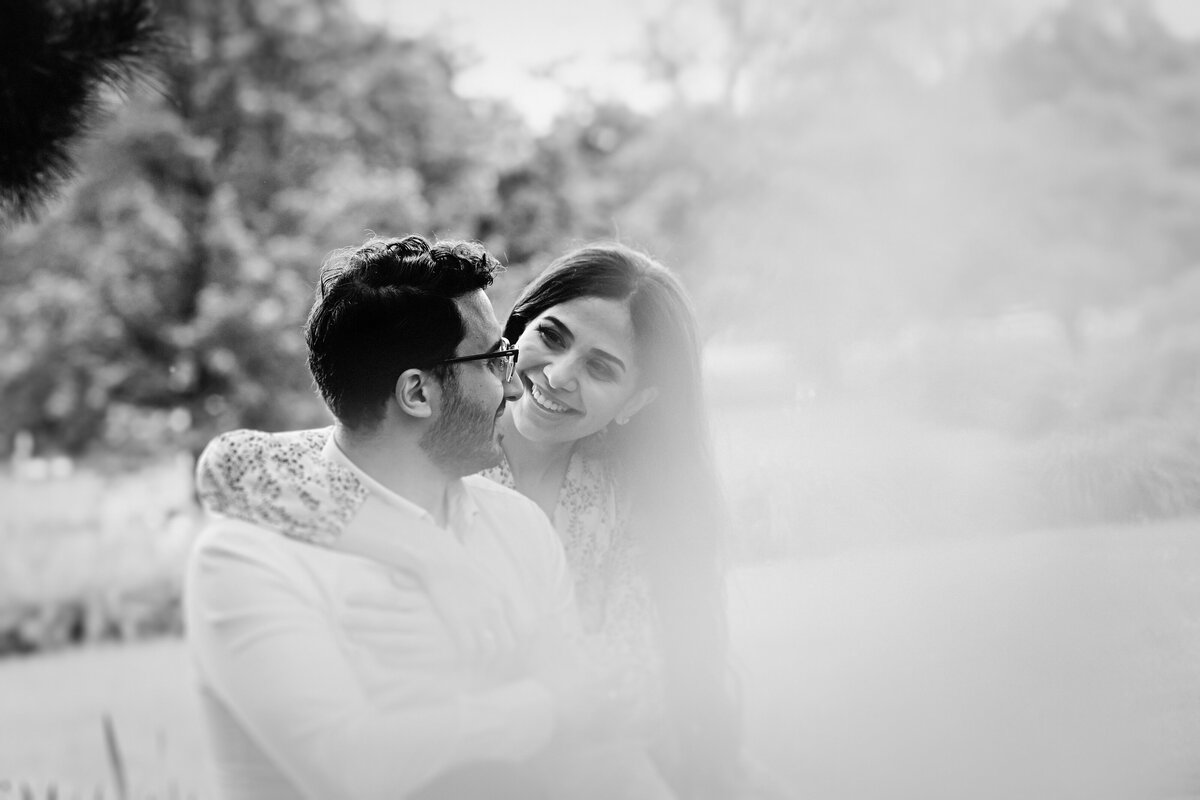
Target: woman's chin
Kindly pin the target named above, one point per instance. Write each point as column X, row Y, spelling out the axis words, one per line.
column 537, row 426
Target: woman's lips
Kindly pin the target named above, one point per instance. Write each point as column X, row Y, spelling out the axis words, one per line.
column 544, row 401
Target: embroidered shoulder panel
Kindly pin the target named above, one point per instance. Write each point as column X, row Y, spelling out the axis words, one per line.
column 280, row 481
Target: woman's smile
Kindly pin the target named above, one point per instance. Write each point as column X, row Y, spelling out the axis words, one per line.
column 542, row 400
column 578, row 365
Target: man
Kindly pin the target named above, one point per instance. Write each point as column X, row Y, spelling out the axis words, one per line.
column 330, row 674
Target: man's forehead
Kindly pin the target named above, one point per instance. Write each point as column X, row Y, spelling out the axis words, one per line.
column 482, row 329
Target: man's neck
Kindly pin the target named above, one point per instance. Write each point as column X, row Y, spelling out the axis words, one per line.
column 399, row 465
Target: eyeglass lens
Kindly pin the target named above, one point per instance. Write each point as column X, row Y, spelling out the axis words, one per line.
column 506, row 366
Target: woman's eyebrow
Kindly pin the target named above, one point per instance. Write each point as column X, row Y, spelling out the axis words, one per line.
column 609, row 357
column 557, row 323
column 560, row 327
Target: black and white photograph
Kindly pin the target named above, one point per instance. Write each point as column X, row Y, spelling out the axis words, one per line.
column 600, row 400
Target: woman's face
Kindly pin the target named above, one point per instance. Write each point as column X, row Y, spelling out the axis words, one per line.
column 579, row 366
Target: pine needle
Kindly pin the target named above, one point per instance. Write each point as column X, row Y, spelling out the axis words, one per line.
column 56, row 59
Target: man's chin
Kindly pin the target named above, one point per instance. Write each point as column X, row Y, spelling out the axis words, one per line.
column 462, row 464
column 458, row 445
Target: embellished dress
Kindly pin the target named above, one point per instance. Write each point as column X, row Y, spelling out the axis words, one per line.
column 281, row 481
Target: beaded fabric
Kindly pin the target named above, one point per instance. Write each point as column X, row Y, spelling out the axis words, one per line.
column 592, row 519
column 279, row 481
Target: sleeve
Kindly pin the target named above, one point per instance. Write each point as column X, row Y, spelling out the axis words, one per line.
column 264, row 645
column 279, row 481
column 558, row 583
column 282, row 482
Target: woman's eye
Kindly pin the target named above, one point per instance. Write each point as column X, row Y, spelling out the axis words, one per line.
column 602, row 370
column 550, row 336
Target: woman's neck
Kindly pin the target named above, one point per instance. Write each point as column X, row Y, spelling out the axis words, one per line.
column 538, row 468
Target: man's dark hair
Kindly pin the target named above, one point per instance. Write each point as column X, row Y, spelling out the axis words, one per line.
column 385, row 307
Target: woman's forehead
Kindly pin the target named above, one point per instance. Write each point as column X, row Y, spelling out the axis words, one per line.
column 599, row 321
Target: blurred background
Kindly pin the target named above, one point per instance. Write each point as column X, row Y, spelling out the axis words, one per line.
column 946, row 257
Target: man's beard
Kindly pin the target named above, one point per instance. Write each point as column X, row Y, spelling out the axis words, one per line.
column 462, row 440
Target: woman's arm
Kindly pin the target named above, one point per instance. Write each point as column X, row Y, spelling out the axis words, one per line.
column 283, row 483
column 279, row 481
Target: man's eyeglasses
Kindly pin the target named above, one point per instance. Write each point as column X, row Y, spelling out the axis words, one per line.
column 502, row 361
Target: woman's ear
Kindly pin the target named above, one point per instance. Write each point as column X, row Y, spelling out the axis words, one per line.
column 640, row 400
column 415, row 393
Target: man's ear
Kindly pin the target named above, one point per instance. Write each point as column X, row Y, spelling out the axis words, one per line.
column 415, row 393
column 640, row 400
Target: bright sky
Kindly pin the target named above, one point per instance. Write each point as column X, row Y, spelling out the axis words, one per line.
column 589, row 42
column 1183, row 15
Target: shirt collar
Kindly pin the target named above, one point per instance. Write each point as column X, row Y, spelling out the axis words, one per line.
column 461, row 508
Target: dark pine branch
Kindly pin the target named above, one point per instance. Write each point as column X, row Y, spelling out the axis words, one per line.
column 56, row 58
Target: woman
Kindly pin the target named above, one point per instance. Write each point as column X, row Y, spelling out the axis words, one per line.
column 610, row 439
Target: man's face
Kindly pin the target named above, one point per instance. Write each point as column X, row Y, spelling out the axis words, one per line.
column 463, row 438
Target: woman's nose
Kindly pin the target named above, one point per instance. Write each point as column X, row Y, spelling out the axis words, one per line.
column 560, row 374
column 513, row 389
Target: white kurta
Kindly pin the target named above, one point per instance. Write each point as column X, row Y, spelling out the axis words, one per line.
column 330, row 675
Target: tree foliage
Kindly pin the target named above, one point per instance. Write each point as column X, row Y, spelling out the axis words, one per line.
column 162, row 300
column 827, row 174
column 875, row 164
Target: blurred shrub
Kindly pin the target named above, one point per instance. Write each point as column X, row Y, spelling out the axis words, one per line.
column 94, row 556
column 1030, row 374
column 1129, row 472
column 1014, row 374
column 125, row 614
column 1143, row 361
column 833, row 475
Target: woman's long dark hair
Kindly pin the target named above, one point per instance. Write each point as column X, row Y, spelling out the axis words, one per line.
column 664, row 458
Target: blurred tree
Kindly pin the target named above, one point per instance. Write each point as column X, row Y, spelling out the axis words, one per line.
column 833, row 172
column 162, row 301
column 1107, row 101
column 828, row 173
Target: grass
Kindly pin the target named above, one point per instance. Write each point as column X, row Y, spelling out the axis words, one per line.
column 94, row 556
column 1050, row 665
column 906, row 624
column 1053, row 665
column 54, row 705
